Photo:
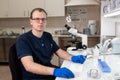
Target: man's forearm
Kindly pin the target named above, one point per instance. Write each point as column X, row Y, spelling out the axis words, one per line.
column 36, row 68
column 63, row 54
column 40, row 69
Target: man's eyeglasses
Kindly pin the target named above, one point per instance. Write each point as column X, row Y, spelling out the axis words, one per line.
column 38, row 19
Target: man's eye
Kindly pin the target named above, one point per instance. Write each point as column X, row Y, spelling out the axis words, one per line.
column 38, row 18
column 43, row 19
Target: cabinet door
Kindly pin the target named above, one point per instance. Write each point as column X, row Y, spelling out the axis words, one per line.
column 92, row 41
column 22, row 8
column 2, row 56
column 31, row 4
column 8, row 43
column 17, row 8
column 55, row 7
column 65, row 42
column 3, row 8
column 35, row 4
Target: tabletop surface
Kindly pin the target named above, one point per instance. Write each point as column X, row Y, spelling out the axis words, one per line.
column 82, row 71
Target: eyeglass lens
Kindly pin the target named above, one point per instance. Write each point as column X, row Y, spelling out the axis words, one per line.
column 38, row 19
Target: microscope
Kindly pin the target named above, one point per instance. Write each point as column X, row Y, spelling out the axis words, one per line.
column 79, row 44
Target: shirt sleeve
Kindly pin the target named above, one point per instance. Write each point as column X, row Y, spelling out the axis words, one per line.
column 22, row 47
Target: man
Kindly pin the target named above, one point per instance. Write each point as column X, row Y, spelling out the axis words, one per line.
column 35, row 49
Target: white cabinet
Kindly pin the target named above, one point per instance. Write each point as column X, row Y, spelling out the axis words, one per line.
column 55, row 7
column 30, row 5
column 111, row 8
column 22, row 8
column 118, row 29
column 107, row 24
column 113, row 13
column 36, row 4
column 17, row 8
column 3, row 8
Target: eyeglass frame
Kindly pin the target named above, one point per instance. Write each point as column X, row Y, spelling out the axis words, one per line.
column 38, row 19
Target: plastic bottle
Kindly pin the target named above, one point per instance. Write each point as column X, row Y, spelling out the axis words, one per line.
column 23, row 29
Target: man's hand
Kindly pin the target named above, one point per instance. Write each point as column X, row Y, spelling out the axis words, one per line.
column 63, row 72
column 78, row 59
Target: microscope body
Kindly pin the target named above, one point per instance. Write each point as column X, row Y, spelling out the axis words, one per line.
column 74, row 32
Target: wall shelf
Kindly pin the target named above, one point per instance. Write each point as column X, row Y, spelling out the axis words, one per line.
column 113, row 13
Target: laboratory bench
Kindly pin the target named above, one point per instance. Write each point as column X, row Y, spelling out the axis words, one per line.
column 62, row 40
column 5, row 43
column 91, row 69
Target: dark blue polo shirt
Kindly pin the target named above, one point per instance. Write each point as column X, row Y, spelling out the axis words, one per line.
column 41, row 49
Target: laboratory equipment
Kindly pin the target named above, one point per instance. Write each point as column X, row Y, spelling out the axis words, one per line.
column 93, row 73
column 104, row 47
column 92, row 26
column 79, row 45
column 104, row 66
column 74, row 32
column 115, row 42
column 23, row 29
column 115, row 45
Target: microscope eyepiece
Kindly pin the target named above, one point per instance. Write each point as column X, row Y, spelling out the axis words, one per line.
column 68, row 27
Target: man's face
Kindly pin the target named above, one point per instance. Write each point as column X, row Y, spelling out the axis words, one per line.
column 38, row 20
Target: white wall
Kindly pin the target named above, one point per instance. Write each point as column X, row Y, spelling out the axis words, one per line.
column 15, row 24
column 118, row 29
column 107, row 24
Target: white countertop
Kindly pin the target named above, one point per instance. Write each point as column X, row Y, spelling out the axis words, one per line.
column 9, row 36
column 81, row 70
column 58, row 35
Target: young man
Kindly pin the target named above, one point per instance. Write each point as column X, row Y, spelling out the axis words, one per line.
column 35, row 49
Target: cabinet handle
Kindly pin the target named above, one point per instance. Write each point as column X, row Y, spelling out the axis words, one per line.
column 24, row 13
column 28, row 13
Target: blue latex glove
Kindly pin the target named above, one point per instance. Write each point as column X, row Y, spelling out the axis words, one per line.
column 78, row 59
column 63, row 72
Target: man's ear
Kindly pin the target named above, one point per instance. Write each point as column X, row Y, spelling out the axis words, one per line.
column 30, row 21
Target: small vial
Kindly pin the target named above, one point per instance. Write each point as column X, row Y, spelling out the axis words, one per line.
column 23, row 29
column 94, row 73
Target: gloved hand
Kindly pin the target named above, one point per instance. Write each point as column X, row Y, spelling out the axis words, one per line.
column 63, row 72
column 78, row 59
